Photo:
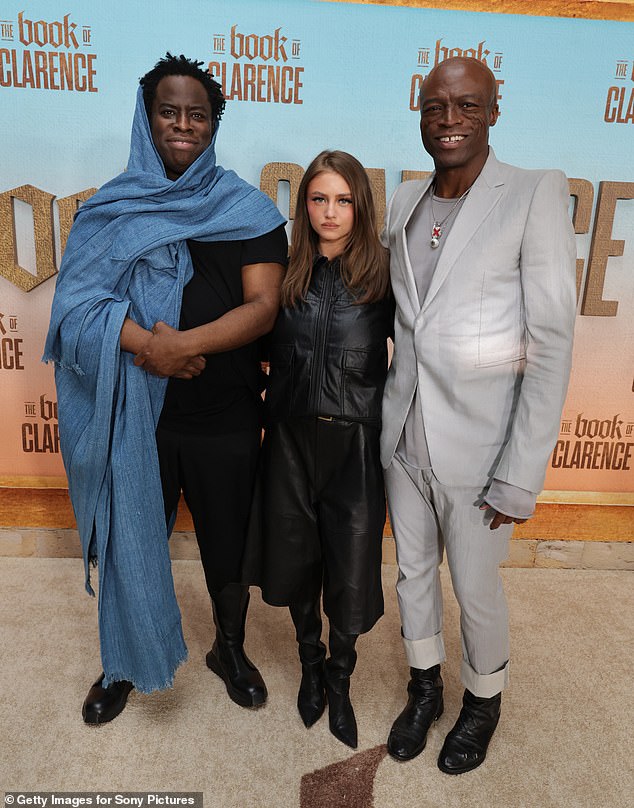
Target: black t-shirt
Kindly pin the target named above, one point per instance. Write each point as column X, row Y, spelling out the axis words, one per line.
column 225, row 397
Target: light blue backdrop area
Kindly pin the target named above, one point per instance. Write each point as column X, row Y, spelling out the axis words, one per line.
column 358, row 61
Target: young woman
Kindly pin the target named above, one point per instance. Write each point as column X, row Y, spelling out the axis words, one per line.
column 324, row 503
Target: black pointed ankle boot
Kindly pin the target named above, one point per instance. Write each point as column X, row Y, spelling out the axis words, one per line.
column 311, row 698
column 465, row 746
column 408, row 735
column 227, row 659
column 102, row 704
column 339, row 668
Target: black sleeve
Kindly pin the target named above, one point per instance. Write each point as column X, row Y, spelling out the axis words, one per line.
column 270, row 248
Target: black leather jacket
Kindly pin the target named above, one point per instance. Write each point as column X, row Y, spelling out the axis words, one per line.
column 329, row 356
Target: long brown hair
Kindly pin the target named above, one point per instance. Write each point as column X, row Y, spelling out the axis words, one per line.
column 364, row 261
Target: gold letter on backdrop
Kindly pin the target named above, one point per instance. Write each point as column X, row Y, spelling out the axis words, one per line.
column 68, row 207
column 407, row 175
column 603, row 245
column 583, row 194
column 41, row 202
column 274, row 173
column 377, row 184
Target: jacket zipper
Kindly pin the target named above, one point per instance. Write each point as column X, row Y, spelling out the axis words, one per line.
column 323, row 315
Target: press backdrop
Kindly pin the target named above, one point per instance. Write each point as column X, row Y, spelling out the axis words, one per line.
column 301, row 76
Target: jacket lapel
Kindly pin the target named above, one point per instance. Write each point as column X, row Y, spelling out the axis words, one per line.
column 483, row 196
column 408, row 272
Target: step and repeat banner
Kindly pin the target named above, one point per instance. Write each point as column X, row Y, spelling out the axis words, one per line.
column 300, row 76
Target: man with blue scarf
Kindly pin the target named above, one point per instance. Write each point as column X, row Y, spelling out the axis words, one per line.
column 171, row 273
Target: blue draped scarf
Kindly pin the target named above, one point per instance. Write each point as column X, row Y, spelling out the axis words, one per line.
column 126, row 256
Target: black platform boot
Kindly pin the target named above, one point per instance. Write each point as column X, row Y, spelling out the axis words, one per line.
column 465, row 746
column 311, row 698
column 244, row 684
column 339, row 668
column 102, row 704
column 424, row 705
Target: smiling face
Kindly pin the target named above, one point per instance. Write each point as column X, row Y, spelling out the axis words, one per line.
column 181, row 122
column 457, row 108
column 331, row 212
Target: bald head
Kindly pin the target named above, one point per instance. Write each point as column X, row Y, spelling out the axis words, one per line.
column 469, row 66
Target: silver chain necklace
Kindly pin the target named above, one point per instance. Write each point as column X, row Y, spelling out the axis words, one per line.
column 436, row 227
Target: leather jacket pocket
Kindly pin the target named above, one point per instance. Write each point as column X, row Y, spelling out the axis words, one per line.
column 363, row 379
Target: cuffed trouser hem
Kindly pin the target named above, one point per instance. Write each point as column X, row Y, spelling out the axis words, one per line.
column 425, row 653
column 484, row 686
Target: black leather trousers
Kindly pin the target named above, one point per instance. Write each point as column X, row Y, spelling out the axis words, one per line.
column 324, row 512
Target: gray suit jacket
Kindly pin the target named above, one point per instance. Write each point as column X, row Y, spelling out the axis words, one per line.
column 491, row 345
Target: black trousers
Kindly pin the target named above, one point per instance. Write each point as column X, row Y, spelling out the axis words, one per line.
column 323, row 513
column 216, row 474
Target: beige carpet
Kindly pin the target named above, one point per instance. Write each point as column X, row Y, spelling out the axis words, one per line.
column 565, row 738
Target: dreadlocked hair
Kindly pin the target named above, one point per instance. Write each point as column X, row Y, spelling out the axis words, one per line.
column 181, row 66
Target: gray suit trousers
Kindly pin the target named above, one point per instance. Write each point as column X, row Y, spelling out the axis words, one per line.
column 427, row 518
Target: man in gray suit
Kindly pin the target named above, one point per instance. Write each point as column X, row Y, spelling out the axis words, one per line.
column 483, row 272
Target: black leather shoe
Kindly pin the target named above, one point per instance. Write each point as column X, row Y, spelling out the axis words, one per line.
column 465, row 746
column 341, row 718
column 102, row 704
column 311, row 698
column 242, row 679
column 408, row 735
